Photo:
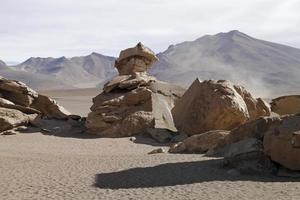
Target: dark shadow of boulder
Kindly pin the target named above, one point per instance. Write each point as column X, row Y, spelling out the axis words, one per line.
column 172, row 174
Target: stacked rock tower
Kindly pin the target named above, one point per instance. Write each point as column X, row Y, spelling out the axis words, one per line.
column 133, row 101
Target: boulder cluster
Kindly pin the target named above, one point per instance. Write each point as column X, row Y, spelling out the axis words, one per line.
column 218, row 118
column 133, row 102
column 22, row 106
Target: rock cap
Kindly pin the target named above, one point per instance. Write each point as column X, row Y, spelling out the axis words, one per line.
column 138, row 50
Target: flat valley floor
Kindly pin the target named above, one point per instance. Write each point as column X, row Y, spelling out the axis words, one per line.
column 41, row 166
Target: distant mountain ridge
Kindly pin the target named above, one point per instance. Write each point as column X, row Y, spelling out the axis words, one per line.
column 265, row 68
column 2, row 64
column 77, row 72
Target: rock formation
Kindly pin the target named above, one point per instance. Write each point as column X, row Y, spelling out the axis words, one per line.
column 201, row 143
column 286, row 105
column 282, row 142
column 216, row 105
column 256, row 145
column 20, row 105
column 133, row 102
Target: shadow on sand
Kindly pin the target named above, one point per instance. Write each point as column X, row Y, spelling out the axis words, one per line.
column 172, row 174
column 72, row 133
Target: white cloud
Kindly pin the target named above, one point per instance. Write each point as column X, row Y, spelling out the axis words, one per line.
column 76, row 27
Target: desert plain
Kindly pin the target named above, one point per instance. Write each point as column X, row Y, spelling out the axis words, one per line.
column 39, row 165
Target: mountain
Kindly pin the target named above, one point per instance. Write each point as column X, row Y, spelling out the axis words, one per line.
column 265, row 68
column 2, row 64
column 79, row 72
column 36, row 81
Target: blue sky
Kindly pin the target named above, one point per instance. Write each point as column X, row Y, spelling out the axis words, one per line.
column 75, row 27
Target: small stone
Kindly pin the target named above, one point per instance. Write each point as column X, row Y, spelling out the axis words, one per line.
column 132, row 139
column 9, row 132
column 46, row 130
column 155, row 151
column 21, row 128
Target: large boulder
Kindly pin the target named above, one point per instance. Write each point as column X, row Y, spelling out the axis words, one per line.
column 133, row 102
column 282, row 142
column 286, row 105
column 10, row 118
column 216, row 105
column 248, row 156
column 17, row 92
column 252, row 129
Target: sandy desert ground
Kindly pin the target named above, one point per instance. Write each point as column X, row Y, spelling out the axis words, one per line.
column 37, row 165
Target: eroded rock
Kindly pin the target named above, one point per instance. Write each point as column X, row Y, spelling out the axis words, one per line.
column 11, row 118
column 133, row 102
column 215, row 105
column 201, row 143
column 282, row 142
column 286, row 105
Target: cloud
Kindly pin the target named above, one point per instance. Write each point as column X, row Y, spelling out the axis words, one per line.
column 76, row 27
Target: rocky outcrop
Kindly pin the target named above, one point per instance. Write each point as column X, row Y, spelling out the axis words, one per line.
column 16, row 95
column 282, row 142
column 248, row 156
column 49, row 108
column 258, row 145
column 11, row 118
column 133, row 102
column 20, row 105
column 17, row 92
column 286, row 105
column 136, row 59
column 216, row 105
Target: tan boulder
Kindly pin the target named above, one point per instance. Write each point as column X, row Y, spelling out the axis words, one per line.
column 16, row 95
column 136, row 59
column 10, row 118
column 215, row 105
column 247, row 156
column 252, row 129
column 17, row 92
column 286, row 105
column 49, row 107
column 282, row 142
column 8, row 104
column 201, row 143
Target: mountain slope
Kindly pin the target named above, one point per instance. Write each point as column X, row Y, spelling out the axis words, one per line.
column 36, row 81
column 265, row 68
column 2, row 64
column 81, row 72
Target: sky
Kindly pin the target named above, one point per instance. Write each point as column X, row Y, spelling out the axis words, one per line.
column 54, row 28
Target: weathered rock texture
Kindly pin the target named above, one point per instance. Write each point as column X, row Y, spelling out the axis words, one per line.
column 286, row 105
column 252, row 145
column 282, row 142
column 201, row 143
column 11, row 118
column 136, row 59
column 216, row 105
column 20, row 105
column 133, row 102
